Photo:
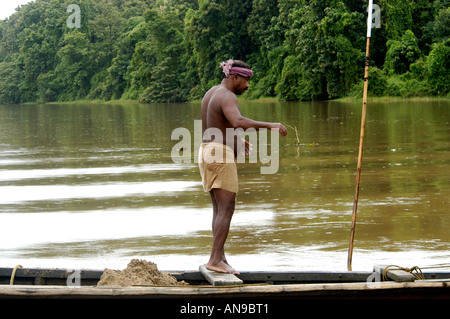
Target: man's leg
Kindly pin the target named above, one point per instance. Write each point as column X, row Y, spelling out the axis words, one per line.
column 223, row 209
column 215, row 213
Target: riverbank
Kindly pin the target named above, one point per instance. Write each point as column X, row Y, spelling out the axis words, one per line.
column 266, row 100
column 393, row 99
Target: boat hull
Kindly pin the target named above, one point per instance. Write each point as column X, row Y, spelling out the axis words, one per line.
column 56, row 283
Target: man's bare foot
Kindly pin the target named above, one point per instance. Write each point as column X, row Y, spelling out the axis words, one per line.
column 222, row 267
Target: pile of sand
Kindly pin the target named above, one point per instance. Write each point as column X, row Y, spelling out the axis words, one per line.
column 137, row 273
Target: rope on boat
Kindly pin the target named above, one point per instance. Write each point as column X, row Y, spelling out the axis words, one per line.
column 11, row 282
column 437, row 266
column 415, row 271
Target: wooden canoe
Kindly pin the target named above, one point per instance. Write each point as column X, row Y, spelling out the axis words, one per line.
column 53, row 283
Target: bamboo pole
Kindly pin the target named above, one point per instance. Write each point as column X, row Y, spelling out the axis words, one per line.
column 361, row 138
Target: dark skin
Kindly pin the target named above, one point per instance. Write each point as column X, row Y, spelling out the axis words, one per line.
column 220, row 110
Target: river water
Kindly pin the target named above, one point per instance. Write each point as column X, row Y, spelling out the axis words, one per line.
column 95, row 185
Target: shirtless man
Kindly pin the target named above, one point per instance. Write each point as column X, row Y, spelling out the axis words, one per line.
column 220, row 110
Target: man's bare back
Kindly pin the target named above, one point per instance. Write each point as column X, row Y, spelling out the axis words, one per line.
column 220, row 110
column 214, row 116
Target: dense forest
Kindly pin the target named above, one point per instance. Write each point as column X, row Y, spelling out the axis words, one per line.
column 170, row 50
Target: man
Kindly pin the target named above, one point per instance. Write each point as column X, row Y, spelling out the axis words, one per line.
column 220, row 110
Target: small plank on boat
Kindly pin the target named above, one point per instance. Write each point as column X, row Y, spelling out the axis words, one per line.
column 394, row 273
column 220, row 279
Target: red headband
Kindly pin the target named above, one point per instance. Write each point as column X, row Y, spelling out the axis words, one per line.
column 229, row 69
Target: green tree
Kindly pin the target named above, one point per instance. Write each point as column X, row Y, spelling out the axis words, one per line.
column 134, row 30
column 73, row 73
column 9, row 83
column 216, row 32
column 397, row 17
column 441, row 27
column 321, row 61
column 402, row 53
column 267, row 27
column 439, row 67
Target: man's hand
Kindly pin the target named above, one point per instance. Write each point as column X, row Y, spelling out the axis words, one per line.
column 280, row 127
column 244, row 147
column 248, row 147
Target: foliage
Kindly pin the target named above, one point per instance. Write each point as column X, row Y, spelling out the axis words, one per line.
column 170, row 50
column 321, row 60
column 402, row 53
column 438, row 67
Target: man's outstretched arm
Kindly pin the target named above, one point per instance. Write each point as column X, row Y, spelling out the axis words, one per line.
column 231, row 111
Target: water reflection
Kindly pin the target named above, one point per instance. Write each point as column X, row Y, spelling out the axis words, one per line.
column 14, row 175
column 94, row 186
